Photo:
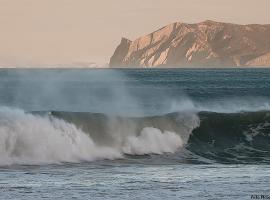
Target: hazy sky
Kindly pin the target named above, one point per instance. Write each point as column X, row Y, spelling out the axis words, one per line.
column 44, row 32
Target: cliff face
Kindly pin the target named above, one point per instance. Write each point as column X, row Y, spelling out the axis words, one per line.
column 206, row 44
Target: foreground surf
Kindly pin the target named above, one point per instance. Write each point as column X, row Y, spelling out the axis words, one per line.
column 56, row 137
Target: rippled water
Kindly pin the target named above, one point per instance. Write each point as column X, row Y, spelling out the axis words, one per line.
column 134, row 181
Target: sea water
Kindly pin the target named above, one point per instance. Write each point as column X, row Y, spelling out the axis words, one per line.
column 135, row 134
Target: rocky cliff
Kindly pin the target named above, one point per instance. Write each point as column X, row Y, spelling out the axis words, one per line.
column 205, row 44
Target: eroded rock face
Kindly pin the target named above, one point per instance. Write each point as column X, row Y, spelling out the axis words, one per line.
column 206, row 44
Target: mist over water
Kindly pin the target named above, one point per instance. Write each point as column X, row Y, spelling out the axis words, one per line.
column 135, row 92
column 66, row 90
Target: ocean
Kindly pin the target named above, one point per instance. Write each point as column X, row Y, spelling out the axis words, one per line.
column 134, row 134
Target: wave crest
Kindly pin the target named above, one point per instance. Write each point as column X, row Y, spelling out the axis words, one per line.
column 32, row 139
column 56, row 137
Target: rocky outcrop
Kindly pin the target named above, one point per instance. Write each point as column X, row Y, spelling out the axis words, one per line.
column 205, row 44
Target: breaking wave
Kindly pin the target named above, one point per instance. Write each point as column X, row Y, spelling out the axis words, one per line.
column 31, row 139
column 204, row 137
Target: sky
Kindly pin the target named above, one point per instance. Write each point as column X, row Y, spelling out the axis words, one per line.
column 78, row 32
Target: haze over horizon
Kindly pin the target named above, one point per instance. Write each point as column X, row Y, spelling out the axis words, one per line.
column 68, row 32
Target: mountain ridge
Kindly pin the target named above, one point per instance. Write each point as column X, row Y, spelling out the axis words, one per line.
column 205, row 44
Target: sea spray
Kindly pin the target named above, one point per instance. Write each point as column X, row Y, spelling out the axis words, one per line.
column 117, row 131
column 27, row 138
column 152, row 141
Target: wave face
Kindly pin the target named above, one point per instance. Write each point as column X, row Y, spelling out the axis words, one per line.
column 204, row 137
column 232, row 137
column 135, row 135
column 241, row 137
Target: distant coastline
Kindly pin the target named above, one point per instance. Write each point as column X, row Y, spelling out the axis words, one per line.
column 208, row 44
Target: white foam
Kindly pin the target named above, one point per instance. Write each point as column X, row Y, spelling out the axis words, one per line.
column 152, row 141
column 31, row 139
